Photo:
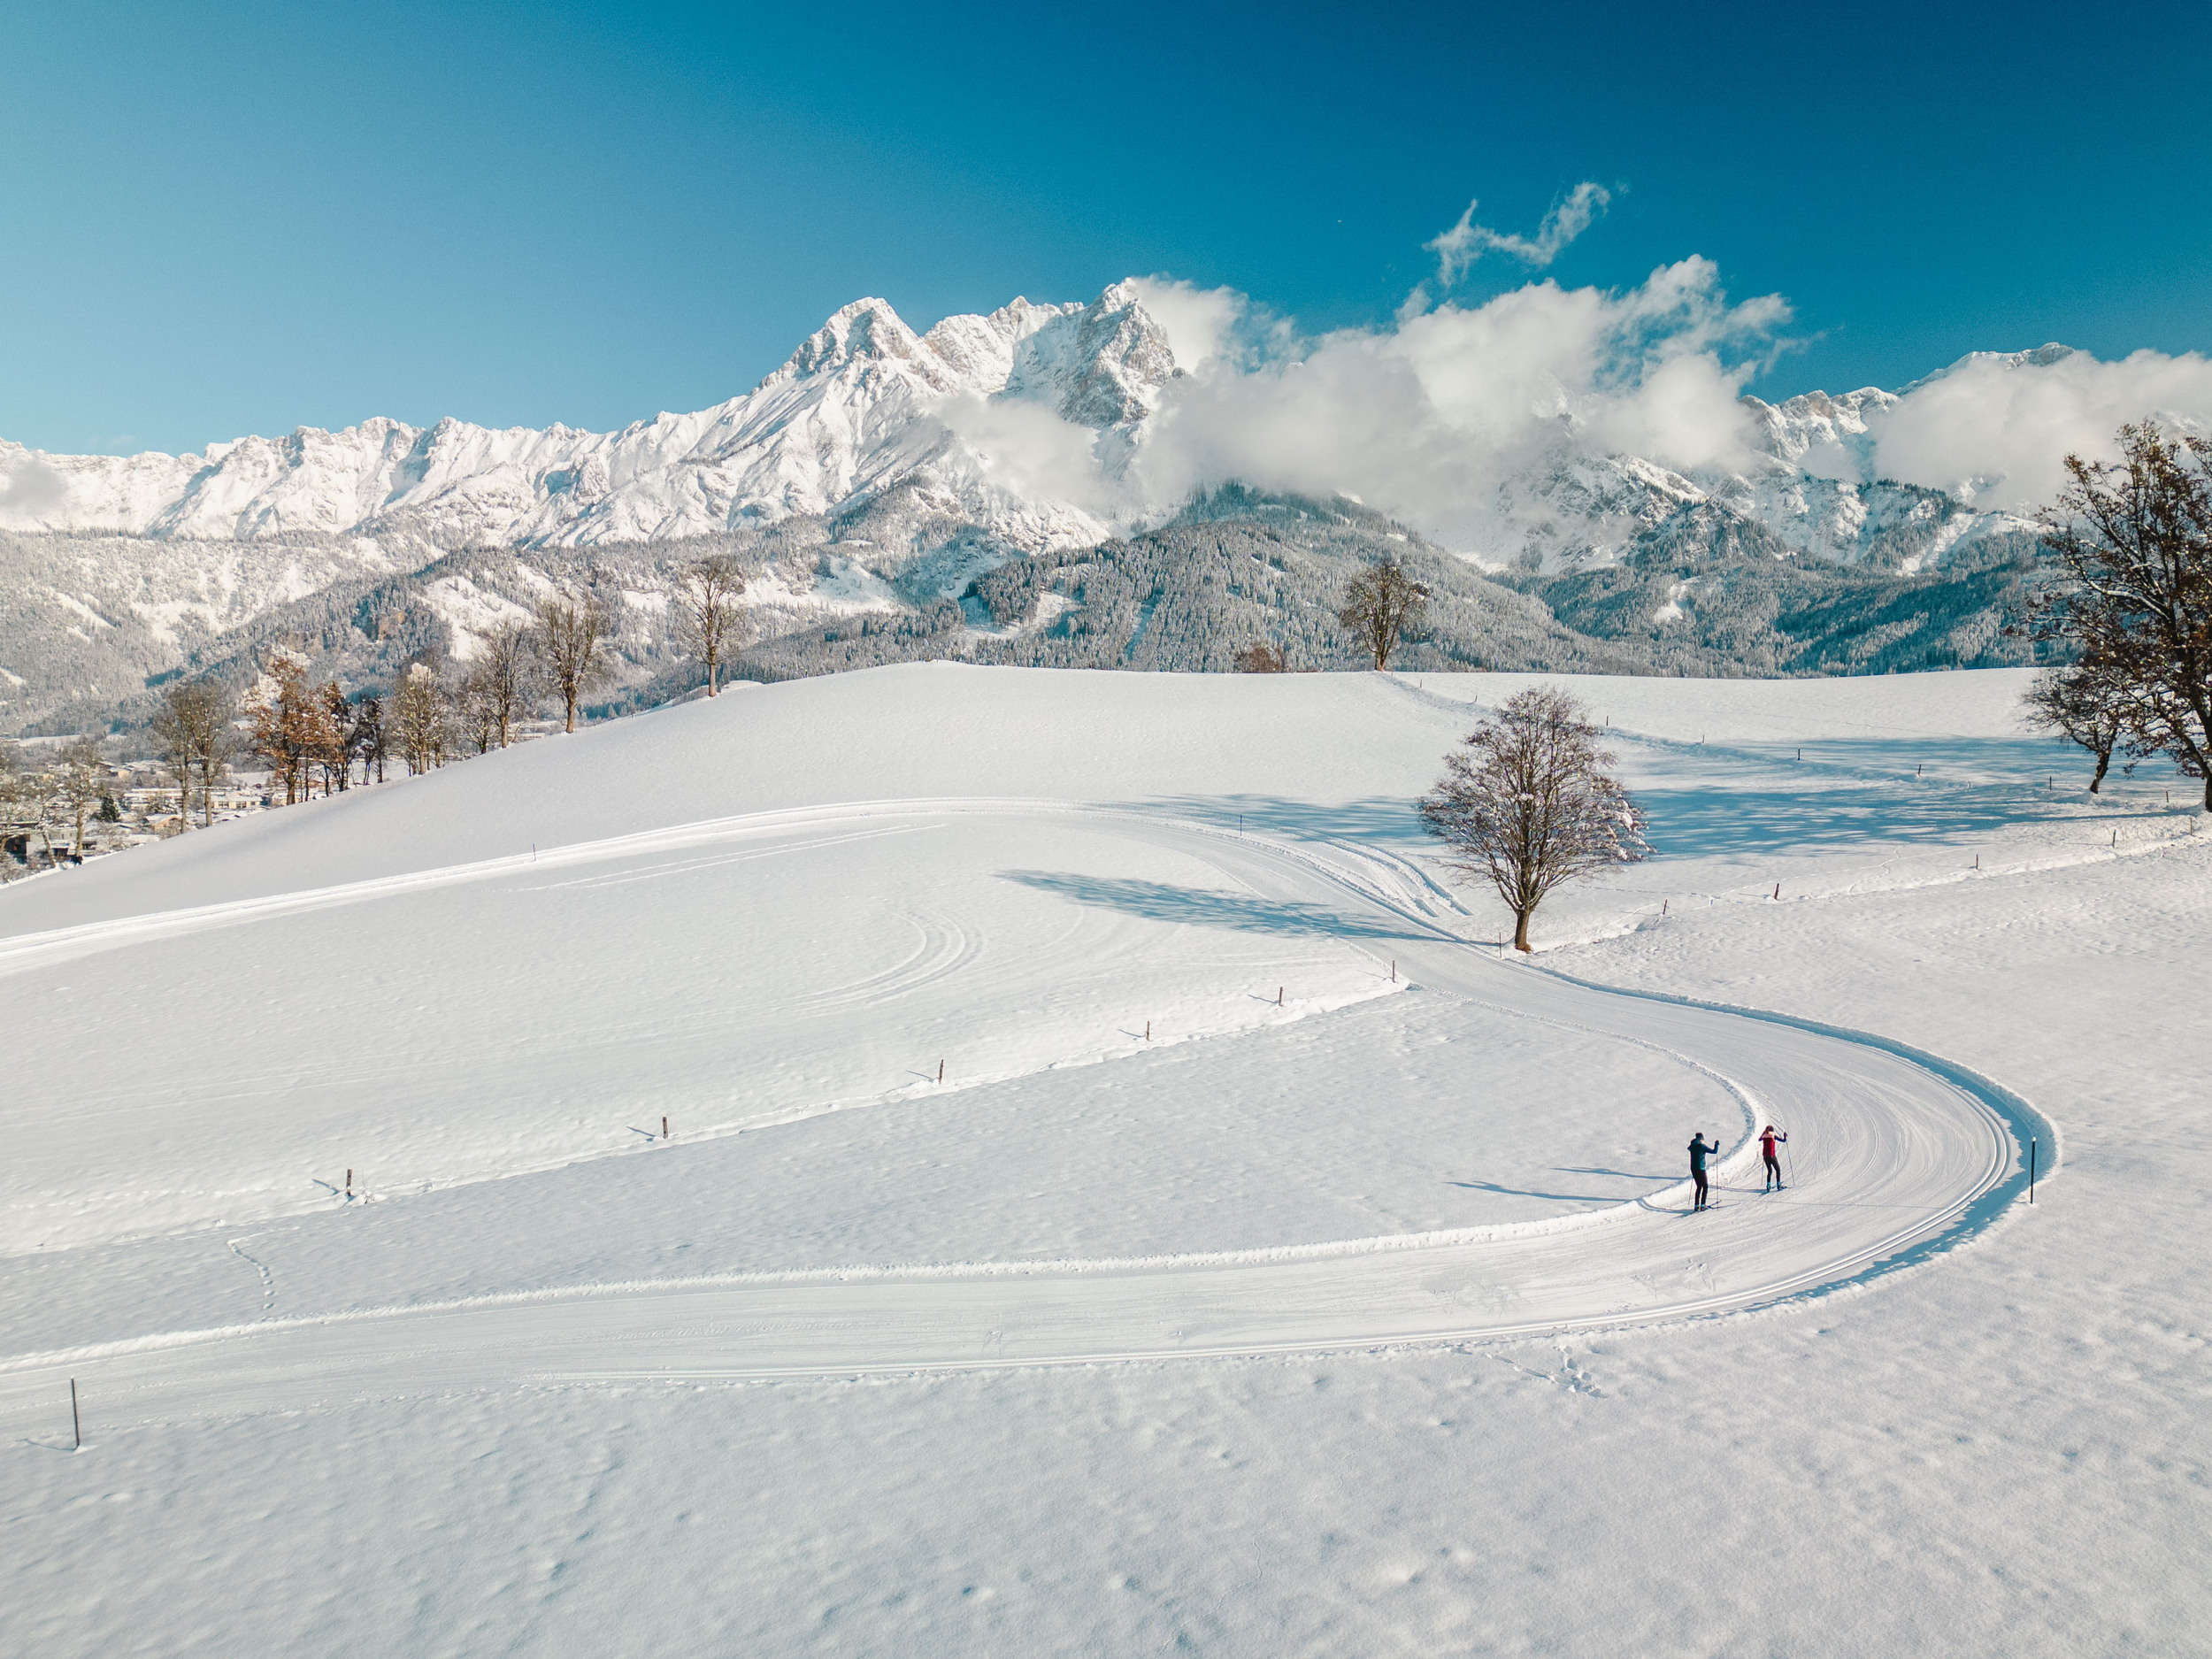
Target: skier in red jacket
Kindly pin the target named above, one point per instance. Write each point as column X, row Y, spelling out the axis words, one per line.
column 1767, row 1140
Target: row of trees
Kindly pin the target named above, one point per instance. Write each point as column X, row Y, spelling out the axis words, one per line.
column 2132, row 605
column 311, row 734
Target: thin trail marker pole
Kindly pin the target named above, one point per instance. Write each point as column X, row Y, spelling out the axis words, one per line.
column 1147, row 1031
column 1777, row 889
column 2030, row 1169
column 941, row 1071
column 1662, row 906
column 1393, row 969
column 663, row 1128
column 76, row 1423
column 1278, row 996
column 349, row 1183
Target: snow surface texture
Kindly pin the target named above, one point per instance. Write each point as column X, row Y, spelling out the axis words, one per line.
column 1993, row 1445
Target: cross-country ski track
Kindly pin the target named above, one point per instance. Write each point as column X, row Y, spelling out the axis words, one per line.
column 1895, row 1154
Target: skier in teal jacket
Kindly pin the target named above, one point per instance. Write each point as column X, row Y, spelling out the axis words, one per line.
column 1698, row 1152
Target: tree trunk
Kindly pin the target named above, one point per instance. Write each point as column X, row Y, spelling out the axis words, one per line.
column 2207, row 791
column 1520, row 931
column 2104, row 762
column 569, row 693
column 714, row 676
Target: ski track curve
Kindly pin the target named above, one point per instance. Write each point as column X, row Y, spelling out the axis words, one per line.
column 1910, row 1153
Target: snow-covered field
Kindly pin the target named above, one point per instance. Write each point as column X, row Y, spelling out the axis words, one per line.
column 1362, row 1321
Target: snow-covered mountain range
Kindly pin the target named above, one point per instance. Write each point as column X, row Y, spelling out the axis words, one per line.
column 879, row 475
column 1023, row 425
column 865, row 405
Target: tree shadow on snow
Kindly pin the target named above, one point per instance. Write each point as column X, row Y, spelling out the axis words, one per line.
column 1523, row 1191
column 1202, row 907
column 1626, row 1175
column 1390, row 819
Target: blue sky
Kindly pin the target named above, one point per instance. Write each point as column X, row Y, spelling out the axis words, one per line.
column 214, row 221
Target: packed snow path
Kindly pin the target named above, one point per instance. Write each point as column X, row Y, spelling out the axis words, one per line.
column 1892, row 1155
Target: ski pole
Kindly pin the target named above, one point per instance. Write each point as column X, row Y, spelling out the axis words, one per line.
column 1792, row 1156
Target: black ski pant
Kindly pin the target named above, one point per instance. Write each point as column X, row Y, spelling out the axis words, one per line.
column 1774, row 1170
column 1698, row 1176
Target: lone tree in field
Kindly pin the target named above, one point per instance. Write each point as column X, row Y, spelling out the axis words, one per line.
column 1529, row 801
column 2085, row 704
column 571, row 638
column 2133, row 541
column 708, row 619
column 1381, row 604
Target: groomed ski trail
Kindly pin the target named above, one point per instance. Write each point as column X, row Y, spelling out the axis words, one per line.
column 1905, row 1152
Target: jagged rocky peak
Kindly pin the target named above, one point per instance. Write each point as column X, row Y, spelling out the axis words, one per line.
column 1789, row 430
column 1121, row 361
column 866, row 330
column 981, row 348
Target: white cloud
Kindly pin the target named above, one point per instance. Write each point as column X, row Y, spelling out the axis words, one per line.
column 1458, row 248
column 1197, row 321
column 29, row 488
column 1426, row 419
column 1029, row 449
column 1426, row 416
column 1996, row 430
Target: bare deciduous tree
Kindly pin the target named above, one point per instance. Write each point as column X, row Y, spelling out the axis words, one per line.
column 1381, row 605
column 286, row 720
column 2085, row 704
column 420, row 719
column 193, row 728
column 571, row 636
column 2134, row 540
column 332, row 722
column 708, row 619
column 364, row 736
column 476, row 709
column 502, row 677
column 175, row 731
column 80, row 778
column 214, row 741
column 1261, row 658
column 1529, row 801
